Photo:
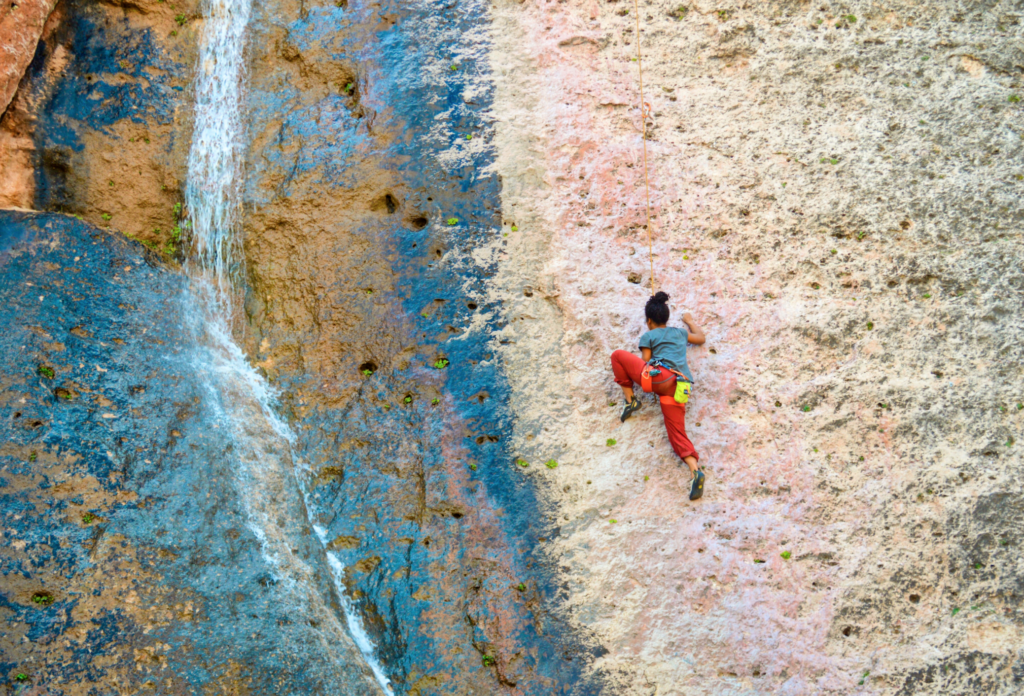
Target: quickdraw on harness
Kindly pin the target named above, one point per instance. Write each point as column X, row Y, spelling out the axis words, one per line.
column 653, row 369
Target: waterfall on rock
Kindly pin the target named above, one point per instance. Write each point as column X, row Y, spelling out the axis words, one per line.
column 275, row 498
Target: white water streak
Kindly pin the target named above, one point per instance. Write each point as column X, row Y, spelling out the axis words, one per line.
column 244, row 401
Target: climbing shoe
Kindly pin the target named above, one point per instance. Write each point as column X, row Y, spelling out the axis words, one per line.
column 631, row 408
column 697, row 485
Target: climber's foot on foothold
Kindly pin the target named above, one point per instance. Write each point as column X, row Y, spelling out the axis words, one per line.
column 697, row 485
column 631, row 408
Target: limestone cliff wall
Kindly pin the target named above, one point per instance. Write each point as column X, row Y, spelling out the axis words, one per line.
column 21, row 26
column 835, row 192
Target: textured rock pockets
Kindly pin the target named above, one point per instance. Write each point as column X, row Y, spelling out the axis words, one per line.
column 835, row 199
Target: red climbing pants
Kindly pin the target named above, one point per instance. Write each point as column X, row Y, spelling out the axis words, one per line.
column 627, row 368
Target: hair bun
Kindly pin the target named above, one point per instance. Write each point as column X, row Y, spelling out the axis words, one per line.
column 660, row 297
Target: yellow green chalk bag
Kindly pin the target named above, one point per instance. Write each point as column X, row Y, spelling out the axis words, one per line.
column 682, row 392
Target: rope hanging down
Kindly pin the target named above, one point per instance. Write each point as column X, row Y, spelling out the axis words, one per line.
column 643, row 135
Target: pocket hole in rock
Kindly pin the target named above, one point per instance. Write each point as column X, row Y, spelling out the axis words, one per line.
column 471, row 305
column 847, row 630
column 42, row 598
column 915, row 598
column 368, row 368
column 418, row 222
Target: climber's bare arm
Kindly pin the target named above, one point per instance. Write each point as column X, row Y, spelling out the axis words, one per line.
column 696, row 334
column 645, row 353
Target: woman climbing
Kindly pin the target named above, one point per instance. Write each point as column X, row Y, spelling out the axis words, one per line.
column 664, row 350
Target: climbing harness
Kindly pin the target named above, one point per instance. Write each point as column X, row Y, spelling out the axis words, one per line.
column 683, row 384
column 644, row 111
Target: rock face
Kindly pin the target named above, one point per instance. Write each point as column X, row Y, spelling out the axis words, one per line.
column 127, row 559
column 21, row 26
column 445, row 237
column 835, row 196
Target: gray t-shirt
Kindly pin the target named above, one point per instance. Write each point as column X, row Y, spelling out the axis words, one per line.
column 668, row 344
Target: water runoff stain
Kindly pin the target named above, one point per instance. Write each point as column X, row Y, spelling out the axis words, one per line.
column 243, row 403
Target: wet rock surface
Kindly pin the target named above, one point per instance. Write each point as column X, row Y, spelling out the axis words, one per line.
column 368, row 203
column 128, row 561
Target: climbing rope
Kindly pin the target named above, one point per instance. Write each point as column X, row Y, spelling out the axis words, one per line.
column 643, row 134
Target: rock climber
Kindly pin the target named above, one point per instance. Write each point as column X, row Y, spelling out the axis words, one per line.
column 664, row 359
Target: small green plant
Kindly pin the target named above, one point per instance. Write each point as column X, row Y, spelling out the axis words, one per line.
column 610, row 442
column 349, row 88
column 860, row 459
column 45, row 371
column 367, row 372
column 180, row 19
column 816, row 286
column 177, row 210
column 173, row 32
column 863, row 677
column 977, row 566
column 723, row 15
column 871, row 325
column 469, row 136
column 1020, row 407
column 678, row 13
column 523, row 463
column 786, row 555
column 834, row 251
column 805, row 408
column 488, row 660
column 646, row 478
column 783, row 184
column 514, row 228
column 1009, row 443
column 32, row 456
column 123, row 64
column 441, row 363
column 1013, row 99
column 851, row 19
column 407, row 400
column 387, row 407
column 453, row 221
column 21, row 676
column 551, row 464
column 758, row 560
column 925, row 57
column 521, row 587
column 369, row 291
column 425, row 315
column 956, row 610
column 435, row 401
column 472, row 467
column 44, row 599
column 927, row 296
column 88, row 518
column 106, row 217
column 612, row 521
column 453, row 68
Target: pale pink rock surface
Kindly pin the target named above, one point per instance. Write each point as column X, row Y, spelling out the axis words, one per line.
column 825, row 197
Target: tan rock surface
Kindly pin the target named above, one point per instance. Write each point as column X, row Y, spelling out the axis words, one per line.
column 836, row 199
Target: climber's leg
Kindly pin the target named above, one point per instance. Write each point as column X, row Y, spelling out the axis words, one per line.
column 627, row 368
